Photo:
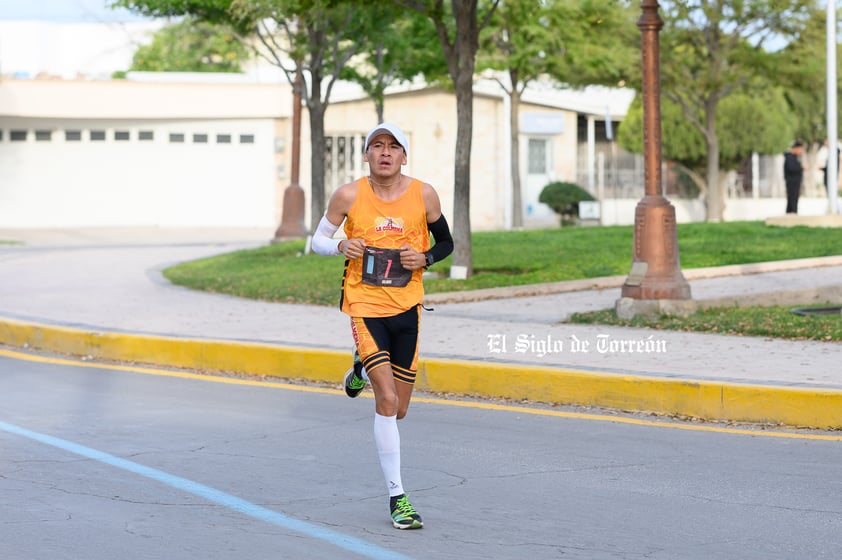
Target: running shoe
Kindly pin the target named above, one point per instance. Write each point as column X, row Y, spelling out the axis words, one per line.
column 354, row 381
column 404, row 515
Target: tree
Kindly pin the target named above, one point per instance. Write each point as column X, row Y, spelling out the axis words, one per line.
column 313, row 39
column 712, row 48
column 576, row 42
column 458, row 27
column 757, row 120
column 192, row 46
column 800, row 68
column 392, row 33
column 206, row 10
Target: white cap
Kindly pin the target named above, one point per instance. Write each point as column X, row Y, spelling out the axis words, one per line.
column 388, row 128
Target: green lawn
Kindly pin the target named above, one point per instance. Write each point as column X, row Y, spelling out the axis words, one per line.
column 282, row 273
column 775, row 322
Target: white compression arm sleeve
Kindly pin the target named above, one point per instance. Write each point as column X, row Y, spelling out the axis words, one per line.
column 323, row 242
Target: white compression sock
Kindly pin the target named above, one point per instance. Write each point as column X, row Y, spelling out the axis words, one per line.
column 388, row 441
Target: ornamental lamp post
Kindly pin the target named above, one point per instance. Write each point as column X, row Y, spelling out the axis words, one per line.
column 655, row 284
column 292, row 214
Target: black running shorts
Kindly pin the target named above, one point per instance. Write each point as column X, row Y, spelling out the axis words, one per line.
column 389, row 340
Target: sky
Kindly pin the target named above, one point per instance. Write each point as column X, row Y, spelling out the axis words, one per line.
column 69, row 38
column 64, row 11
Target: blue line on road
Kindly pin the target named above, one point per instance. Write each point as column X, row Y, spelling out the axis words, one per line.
column 213, row 495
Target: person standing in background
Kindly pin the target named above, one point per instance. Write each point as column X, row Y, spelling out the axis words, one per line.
column 793, row 176
column 823, row 158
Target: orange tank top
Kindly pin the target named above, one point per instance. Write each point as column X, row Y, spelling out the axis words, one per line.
column 376, row 285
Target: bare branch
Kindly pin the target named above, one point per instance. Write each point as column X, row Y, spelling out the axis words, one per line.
column 489, row 15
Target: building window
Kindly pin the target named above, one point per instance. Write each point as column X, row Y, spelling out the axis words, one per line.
column 200, row 138
column 121, row 135
column 176, row 137
column 343, row 158
column 97, row 136
column 43, row 135
column 1, row 134
column 18, row 136
column 223, row 138
column 145, row 135
column 246, row 138
column 537, row 162
column 72, row 135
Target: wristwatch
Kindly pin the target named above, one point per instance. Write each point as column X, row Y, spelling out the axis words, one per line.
column 430, row 259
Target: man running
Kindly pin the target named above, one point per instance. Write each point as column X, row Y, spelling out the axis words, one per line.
column 388, row 221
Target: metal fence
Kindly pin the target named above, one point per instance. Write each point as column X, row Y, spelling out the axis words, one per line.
column 620, row 174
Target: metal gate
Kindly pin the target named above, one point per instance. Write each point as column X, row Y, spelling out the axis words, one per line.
column 343, row 160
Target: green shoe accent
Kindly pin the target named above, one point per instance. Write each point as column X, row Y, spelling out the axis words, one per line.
column 404, row 515
column 354, row 382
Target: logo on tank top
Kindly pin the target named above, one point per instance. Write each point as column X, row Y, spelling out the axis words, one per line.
column 386, row 223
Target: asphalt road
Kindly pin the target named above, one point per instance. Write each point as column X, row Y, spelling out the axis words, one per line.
column 98, row 462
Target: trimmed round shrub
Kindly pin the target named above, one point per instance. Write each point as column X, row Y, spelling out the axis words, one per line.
column 564, row 199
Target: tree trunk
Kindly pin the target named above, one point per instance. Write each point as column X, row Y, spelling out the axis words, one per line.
column 462, row 73
column 316, row 110
column 715, row 194
column 462, row 253
column 514, row 143
column 378, row 107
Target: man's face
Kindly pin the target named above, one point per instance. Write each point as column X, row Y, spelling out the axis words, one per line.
column 385, row 154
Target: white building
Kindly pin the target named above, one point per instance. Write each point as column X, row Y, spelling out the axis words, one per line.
column 121, row 153
column 549, row 140
column 80, row 150
column 213, row 150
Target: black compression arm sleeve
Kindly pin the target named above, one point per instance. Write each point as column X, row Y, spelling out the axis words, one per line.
column 444, row 241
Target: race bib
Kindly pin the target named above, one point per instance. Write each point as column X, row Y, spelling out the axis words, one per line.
column 382, row 267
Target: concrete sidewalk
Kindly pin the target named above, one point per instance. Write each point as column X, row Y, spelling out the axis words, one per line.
column 100, row 293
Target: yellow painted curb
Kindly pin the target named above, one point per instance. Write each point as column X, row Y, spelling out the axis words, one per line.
column 814, row 408
column 708, row 400
column 187, row 353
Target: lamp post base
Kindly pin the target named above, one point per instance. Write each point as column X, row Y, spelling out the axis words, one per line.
column 656, row 273
column 628, row 308
column 292, row 219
